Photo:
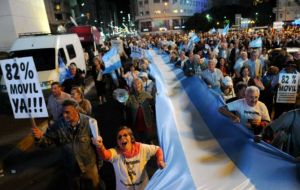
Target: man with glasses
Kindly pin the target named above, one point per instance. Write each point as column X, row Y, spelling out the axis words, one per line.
column 250, row 112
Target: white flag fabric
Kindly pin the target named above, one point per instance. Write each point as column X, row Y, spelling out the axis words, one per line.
column 94, row 128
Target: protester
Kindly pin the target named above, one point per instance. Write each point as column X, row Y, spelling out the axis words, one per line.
column 139, row 104
column 148, row 84
column 279, row 108
column 131, row 75
column 287, row 132
column 239, row 90
column 189, row 66
column 85, row 106
column 129, row 159
column 99, row 79
column 76, row 79
column 73, row 134
column 212, row 76
column 255, row 65
column 245, row 76
column 227, row 88
column 251, row 113
column 222, row 65
column 55, row 101
column 181, row 60
column 240, row 63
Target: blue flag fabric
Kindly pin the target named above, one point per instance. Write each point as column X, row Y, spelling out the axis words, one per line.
column 195, row 38
column 64, row 72
column 296, row 22
column 257, row 43
column 225, row 30
column 111, row 60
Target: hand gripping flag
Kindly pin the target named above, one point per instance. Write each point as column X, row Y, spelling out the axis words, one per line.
column 111, row 60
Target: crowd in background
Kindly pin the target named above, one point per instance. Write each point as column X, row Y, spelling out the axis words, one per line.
column 243, row 76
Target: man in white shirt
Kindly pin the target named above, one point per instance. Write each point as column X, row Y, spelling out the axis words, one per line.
column 250, row 112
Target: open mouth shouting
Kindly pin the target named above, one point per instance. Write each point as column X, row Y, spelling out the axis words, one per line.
column 124, row 141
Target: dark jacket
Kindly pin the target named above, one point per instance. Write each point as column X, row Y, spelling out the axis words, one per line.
column 76, row 144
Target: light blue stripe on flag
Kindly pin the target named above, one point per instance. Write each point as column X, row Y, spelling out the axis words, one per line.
column 257, row 43
column 111, row 60
column 225, row 30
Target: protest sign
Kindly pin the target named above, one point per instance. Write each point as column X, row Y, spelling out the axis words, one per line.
column 23, row 88
column 287, row 90
column 118, row 44
column 136, row 52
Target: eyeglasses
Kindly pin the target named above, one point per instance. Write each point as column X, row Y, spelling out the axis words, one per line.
column 120, row 136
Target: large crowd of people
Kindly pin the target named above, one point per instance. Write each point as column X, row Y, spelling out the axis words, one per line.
column 245, row 77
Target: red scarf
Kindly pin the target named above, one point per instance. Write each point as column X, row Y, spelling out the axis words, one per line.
column 134, row 151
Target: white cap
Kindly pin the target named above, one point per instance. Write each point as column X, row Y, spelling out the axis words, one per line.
column 143, row 74
column 227, row 81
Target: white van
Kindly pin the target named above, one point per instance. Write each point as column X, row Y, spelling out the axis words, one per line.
column 46, row 50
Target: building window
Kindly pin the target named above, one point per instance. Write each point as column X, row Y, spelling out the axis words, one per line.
column 280, row 15
column 174, row 1
column 141, row 13
column 166, row 1
column 58, row 17
column 147, row 13
column 140, row 3
column 146, row 2
column 156, row 1
column 71, row 51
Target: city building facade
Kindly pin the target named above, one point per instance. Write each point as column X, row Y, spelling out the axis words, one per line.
column 287, row 10
column 164, row 15
column 99, row 13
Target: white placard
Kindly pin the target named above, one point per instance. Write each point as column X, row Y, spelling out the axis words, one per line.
column 278, row 25
column 23, row 88
column 287, row 90
column 118, row 44
column 136, row 52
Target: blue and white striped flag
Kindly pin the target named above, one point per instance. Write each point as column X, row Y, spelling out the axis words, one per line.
column 195, row 38
column 225, row 30
column 211, row 31
column 111, row 60
column 257, row 43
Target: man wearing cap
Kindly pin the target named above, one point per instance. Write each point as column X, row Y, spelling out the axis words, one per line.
column 250, row 112
column 227, row 88
column 73, row 135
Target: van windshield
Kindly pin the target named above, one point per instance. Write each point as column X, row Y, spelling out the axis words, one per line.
column 44, row 59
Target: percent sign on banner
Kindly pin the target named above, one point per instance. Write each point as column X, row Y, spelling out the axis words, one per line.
column 23, row 88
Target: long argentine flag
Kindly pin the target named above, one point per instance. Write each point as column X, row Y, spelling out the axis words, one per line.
column 257, row 43
column 111, row 60
column 202, row 148
column 225, row 30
